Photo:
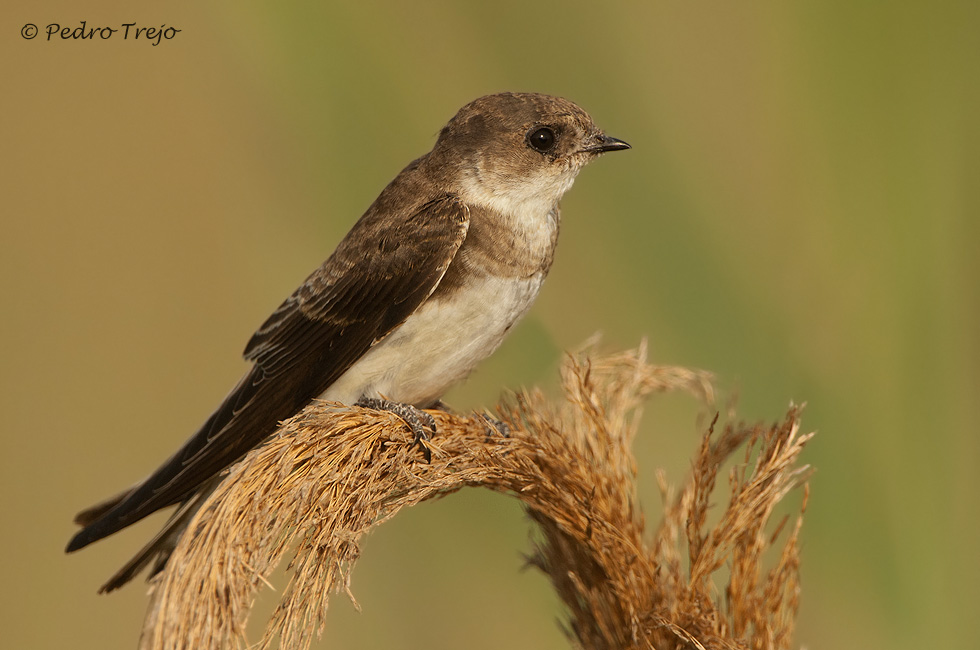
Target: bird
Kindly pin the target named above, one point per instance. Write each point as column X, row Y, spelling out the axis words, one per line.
column 425, row 285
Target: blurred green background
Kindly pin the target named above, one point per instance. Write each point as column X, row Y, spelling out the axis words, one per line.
column 799, row 214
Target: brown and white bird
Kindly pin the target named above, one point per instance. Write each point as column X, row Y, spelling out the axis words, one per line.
column 425, row 286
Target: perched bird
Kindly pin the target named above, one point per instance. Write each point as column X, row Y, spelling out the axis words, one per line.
column 425, row 285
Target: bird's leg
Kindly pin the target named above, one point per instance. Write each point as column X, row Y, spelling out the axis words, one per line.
column 417, row 420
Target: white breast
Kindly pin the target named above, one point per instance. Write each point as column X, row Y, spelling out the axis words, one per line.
column 439, row 344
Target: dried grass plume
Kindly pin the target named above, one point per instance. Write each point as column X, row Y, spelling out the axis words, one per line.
column 333, row 472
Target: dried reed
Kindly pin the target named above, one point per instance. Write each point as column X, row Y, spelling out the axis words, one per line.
column 333, row 472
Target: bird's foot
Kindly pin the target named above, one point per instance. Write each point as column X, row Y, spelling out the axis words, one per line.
column 494, row 426
column 421, row 423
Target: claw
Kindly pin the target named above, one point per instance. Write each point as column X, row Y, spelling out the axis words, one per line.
column 417, row 420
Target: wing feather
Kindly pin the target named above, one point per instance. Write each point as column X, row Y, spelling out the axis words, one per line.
column 381, row 272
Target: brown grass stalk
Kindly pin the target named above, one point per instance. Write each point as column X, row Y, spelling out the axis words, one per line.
column 333, row 472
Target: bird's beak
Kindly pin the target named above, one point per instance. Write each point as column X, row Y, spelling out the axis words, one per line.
column 606, row 143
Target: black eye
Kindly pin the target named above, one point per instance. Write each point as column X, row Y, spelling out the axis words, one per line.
column 542, row 139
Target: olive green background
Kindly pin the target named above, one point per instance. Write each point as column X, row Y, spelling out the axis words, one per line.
column 799, row 214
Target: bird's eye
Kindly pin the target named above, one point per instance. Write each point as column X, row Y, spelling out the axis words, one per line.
column 542, row 139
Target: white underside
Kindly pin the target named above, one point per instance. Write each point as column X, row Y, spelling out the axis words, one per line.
column 441, row 343
column 438, row 345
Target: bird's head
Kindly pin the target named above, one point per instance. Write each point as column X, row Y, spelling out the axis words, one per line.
column 517, row 152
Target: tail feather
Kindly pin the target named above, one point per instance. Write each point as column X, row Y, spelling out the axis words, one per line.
column 90, row 514
column 158, row 550
column 247, row 415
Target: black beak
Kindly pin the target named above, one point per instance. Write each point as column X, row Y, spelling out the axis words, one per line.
column 606, row 143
